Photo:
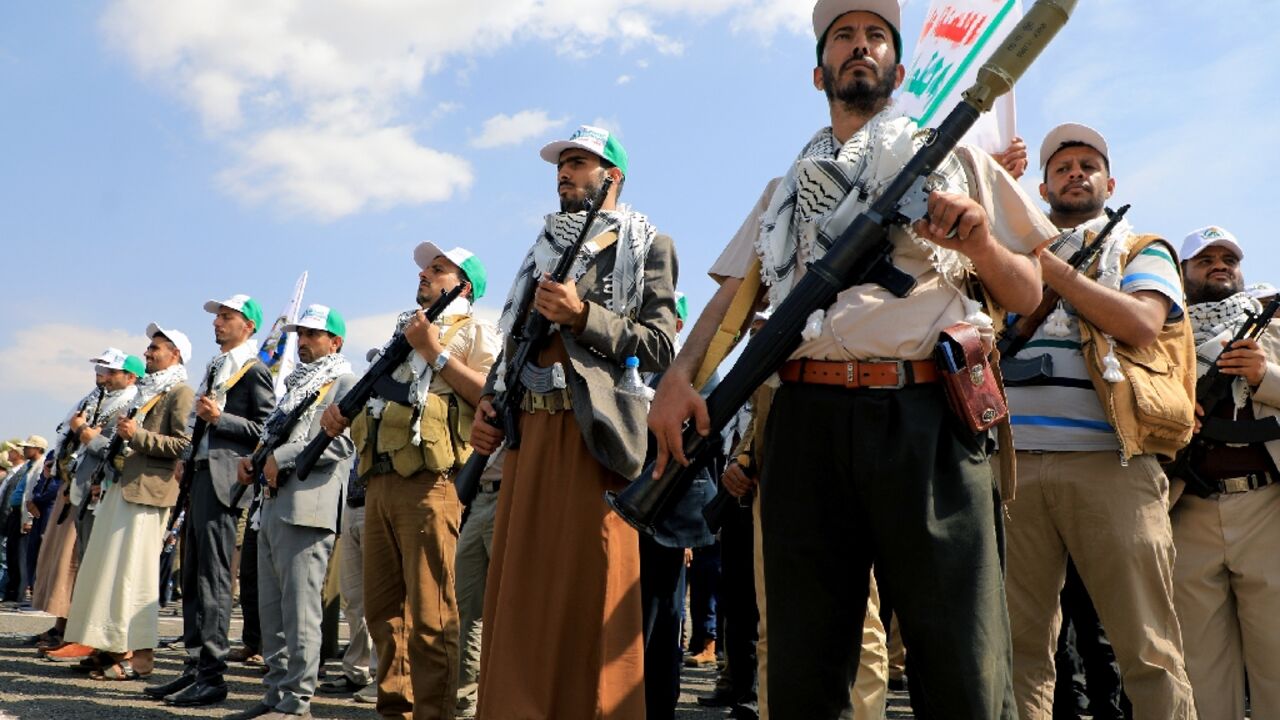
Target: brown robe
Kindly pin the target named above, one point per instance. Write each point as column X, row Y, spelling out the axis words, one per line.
column 57, row 563
column 562, row 631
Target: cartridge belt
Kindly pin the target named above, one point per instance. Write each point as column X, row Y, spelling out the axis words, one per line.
column 883, row 374
column 551, row 402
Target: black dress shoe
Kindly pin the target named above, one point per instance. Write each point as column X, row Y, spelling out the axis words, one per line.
column 199, row 694
column 182, row 682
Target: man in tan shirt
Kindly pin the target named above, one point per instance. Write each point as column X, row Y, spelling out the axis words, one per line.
column 875, row 467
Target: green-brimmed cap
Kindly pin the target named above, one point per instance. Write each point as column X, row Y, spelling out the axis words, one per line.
column 460, row 256
column 320, row 317
column 246, row 305
column 128, row 363
column 597, row 141
column 134, row 364
column 682, row 306
column 826, row 12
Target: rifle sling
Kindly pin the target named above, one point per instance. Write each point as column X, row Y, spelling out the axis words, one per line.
column 730, row 330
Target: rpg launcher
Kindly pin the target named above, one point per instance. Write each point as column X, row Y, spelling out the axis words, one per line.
column 860, row 248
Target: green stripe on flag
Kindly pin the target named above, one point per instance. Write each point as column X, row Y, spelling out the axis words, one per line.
column 932, row 109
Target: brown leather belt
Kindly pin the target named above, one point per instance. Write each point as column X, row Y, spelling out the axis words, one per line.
column 890, row 374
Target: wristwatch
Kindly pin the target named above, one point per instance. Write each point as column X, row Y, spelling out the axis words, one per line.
column 441, row 360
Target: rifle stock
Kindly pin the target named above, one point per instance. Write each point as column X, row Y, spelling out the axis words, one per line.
column 644, row 501
column 529, row 341
column 397, row 349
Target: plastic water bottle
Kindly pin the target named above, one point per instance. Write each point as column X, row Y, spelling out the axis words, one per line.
column 630, row 382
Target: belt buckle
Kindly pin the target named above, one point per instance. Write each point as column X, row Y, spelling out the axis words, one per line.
column 1235, row 484
column 902, row 374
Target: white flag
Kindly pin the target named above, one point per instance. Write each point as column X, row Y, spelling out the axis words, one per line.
column 958, row 36
column 279, row 349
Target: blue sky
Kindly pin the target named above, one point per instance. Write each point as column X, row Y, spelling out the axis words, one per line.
column 162, row 153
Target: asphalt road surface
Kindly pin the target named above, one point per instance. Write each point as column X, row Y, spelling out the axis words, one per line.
column 32, row 688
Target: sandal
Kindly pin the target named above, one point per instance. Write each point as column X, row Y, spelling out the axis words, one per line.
column 118, row 671
column 92, row 663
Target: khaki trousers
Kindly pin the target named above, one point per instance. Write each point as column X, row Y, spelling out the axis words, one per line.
column 869, row 693
column 410, row 537
column 1114, row 522
column 1227, row 589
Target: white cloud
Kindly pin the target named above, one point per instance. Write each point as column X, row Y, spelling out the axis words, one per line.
column 623, row 79
column 53, row 358
column 330, row 173
column 503, row 130
column 269, row 77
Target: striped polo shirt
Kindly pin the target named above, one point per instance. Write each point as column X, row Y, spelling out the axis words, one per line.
column 1062, row 412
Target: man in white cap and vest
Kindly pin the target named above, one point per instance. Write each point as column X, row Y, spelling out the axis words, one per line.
column 299, row 518
column 411, row 439
column 116, row 602
column 863, row 460
column 1226, row 523
column 1098, row 396
column 234, row 396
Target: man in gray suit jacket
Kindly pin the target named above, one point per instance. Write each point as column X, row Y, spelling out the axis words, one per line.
column 299, row 517
column 235, row 396
column 554, row 537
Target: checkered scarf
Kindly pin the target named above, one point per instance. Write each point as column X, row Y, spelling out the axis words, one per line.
column 830, row 184
column 625, row 286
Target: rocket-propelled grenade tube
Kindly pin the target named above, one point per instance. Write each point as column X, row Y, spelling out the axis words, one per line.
column 646, row 499
column 1023, row 45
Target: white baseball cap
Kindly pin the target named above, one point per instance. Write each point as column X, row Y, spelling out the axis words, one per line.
column 1071, row 133
column 110, row 356
column 826, row 12
column 320, row 317
column 246, row 306
column 595, row 140
column 177, row 337
column 1262, row 290
column 1207, row 237
column 460, row 256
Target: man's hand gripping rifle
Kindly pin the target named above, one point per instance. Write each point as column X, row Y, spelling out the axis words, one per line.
column 529, row 337
column 855, row 257
column 397, row 349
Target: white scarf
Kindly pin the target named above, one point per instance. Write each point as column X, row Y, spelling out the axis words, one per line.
column 158, row 383
column 223, row 366
column 1109, row 276
column 300, row 385
column 829, row 185
column 115, row 401
column 414, row 371
column 625, row 287
column 87, row 405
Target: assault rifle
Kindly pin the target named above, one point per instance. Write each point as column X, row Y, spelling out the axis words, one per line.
column 529, row 339
column 859, row 251
column 258, row 460
column 189, row 467
column 100, row 472
column 1212, row 389
column 1016, row 336
column 395, row 352
column 69, row 443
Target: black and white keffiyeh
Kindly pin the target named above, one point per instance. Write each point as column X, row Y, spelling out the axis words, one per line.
column 157, row 383
column 299, row 386
column 830, row 184
column 1214, row 322
column 561, row 231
